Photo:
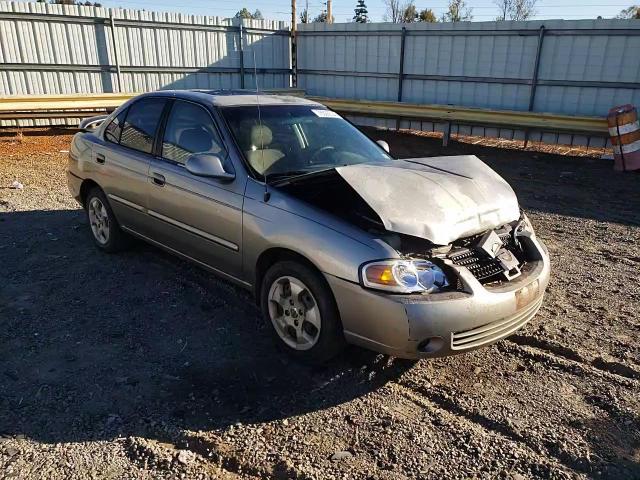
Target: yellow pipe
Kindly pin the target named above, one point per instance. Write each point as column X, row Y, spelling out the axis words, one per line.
column 462, row 115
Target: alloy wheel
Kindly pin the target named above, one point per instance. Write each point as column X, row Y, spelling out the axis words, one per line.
column 294, row 313
column 99, row 220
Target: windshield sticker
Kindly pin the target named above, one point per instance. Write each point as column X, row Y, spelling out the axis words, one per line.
column 325, row 114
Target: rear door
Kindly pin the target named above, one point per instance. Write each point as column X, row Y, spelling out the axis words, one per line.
column 123, row 159
column 198, row 216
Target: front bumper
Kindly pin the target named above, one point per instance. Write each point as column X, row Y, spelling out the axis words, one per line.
column 74, row 183
column 441, row 324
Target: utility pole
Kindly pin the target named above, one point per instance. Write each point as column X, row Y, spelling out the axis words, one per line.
column 329, row 12
column 293, row 17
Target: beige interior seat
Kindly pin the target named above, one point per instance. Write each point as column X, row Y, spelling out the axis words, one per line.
column 260, row 156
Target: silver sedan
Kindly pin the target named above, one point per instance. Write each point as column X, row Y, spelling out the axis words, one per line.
column 339, row 242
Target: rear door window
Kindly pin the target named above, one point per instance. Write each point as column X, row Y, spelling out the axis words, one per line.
column 141, row 124
column 189, row 130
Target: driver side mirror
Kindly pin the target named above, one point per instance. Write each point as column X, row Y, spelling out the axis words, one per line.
column 384, row 145
column 208, row 165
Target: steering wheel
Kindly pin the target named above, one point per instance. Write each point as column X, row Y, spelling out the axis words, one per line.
column 314, row 157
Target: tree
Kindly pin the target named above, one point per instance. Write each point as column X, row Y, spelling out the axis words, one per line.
column 361, row 13
column 427, row 15
column 244, row 13
column 516, row 9
column 72, row 2
column 409, row 14
column 394, row 11
column 457, row 12
column 322, row 18
column 304, row 16
column 631, row 12
column 400, row 11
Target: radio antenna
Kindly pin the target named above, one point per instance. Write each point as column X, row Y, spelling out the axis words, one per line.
column 264, row 171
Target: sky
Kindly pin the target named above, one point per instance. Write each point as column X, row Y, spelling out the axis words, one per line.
column 482, row 10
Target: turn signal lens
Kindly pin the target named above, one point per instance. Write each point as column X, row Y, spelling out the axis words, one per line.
column 404, row 276
column 380, row 274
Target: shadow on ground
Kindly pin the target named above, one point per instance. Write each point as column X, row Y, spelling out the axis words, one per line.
column 95, row 346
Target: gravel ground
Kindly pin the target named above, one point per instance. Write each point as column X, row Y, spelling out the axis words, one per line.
column 139, row 365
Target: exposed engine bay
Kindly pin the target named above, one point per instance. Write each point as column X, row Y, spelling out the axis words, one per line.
column 493, row 256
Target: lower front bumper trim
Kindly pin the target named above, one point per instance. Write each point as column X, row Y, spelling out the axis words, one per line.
column 491, row 332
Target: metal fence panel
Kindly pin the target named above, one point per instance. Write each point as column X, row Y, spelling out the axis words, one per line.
column 62, row 49
column 585, row 66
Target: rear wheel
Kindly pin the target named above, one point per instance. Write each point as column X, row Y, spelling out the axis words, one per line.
column 301, row 311
column 107, row 234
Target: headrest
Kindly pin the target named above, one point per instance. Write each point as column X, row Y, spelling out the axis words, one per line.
column 261, row 136
column 196, row 140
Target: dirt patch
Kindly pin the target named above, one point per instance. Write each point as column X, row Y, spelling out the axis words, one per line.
column 139, row 365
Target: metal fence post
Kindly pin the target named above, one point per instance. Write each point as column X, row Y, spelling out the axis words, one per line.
column 536, row 67
column 401, row 72
column 534, row 80
column 241, row 51
column 115, row 50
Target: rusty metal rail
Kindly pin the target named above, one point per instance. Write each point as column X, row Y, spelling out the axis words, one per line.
column 470, row 116
column 59, row 106
column 74, row 106
column 79, row 106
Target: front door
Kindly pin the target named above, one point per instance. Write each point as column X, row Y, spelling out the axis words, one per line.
column 199, row 217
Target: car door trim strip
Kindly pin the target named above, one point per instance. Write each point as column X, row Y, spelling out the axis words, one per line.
column 195, row 231
column 187, row 257
column 126, row 202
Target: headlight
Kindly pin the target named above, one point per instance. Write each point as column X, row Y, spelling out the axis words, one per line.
column 527, row 223
column 404, row 276
column 524, row 225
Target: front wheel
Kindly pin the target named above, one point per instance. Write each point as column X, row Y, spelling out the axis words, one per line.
column 299, row 307
column 107, row 234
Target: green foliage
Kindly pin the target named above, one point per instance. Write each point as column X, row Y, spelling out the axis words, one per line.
column 244, row 13
column 409, row 14
column 322, row 18
column 457, row 12
column 630, row 12
column 427, row 15
column 361, row 13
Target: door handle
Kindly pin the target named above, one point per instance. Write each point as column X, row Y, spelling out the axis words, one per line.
column 158, row 179
column 100, row 158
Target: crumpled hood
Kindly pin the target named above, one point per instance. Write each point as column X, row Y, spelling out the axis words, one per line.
column 440, row 199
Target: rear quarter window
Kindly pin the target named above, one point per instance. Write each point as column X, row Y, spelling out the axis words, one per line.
column 114, row 129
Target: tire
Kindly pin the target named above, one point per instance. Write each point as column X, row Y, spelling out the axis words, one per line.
column 105, row 229
column 317, row 335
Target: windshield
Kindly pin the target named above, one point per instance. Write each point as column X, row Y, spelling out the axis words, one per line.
column 298, row 139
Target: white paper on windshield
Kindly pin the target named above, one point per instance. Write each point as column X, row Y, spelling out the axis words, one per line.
column 325, row 113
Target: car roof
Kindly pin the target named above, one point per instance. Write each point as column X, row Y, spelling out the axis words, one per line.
column 234, row 98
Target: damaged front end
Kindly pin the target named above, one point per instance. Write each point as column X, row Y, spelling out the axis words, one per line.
column 437, row 213
column 494, row 257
